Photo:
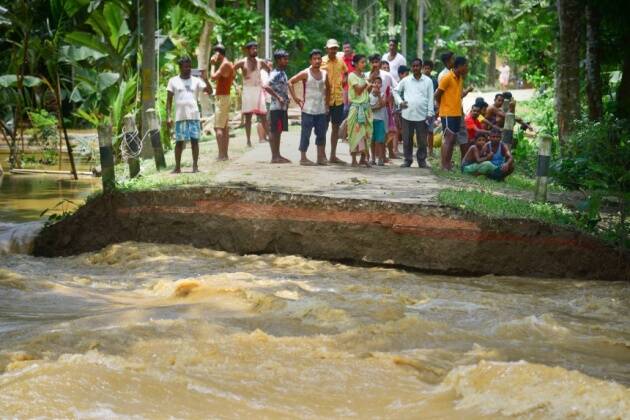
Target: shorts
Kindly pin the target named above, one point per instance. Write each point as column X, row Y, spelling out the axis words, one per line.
column 336, row 114
column 317, row 122
column 278, row 120
column 452, row 124
column 378, row 131
column 221, row 111
column 187, row 130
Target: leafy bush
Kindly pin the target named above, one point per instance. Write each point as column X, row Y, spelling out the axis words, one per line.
column 45, row 135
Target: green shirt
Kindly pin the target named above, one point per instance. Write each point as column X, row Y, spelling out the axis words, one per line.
column 354, row 80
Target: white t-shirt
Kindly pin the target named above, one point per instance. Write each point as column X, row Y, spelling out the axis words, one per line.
column 394, row 64
column 443, row 73
column 381, row 113
column 185, row 95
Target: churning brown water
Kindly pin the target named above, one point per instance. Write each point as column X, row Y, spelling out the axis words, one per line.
column 159, row 331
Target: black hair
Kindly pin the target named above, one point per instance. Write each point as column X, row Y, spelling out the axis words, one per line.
column 496, row 132
column 278, row 54
column 394, row 40
column 357, row 58
column 429, row 63
column 480, row 102
column 251, row 44
column 497, row 95
column 403, row 69
column 219, row 48
column 417, row 60
column 480, row 135
column 378, row 78
column 460, row 61
column 184, row 59
column 315, row 52
column 507, row 95
column 345, row 43
column 375, row 57
column 446, row 56
column 383, row 62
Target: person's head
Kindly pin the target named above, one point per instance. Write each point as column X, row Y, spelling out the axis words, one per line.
column 403, row 71
column 347, row 49
column 427, row 67
column 359, row 62
column 385, row 66
column 393, row 46
column 332, row 47
column 460, row 66
column 251, row 48
column 218, row 52
column 185, row 66
column 507, row 96
column 281, row 57
column 316, row 58
column 448, row 59
column 498, row 100
column 378, row 84
column 481, row 104
column 375, row 62
column 480, row 140
column 495, row 135
column 475, row 111
column 416, row 67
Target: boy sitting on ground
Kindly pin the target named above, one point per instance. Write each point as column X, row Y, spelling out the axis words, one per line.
column 473, row 162
column 500, row 156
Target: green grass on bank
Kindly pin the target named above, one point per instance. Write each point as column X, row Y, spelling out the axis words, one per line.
column 516, row 181
column 496, row 206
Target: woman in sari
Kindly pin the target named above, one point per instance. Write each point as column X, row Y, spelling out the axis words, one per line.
column 360, row 114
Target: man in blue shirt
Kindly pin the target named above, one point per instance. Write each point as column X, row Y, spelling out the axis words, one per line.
column 278, row 87
column 414, row 95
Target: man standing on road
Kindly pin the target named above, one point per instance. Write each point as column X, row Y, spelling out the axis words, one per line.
column 185, row 89
column 414, row 95
column 223, row 75
column 394, row 58
column 449, row 99
column 278, row 88
column 253, row 98
column 314, row 105
column 336, row 73
column 448, row 59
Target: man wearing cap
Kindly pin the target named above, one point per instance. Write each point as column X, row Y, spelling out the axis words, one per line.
column 336, row 74
column 253, row 98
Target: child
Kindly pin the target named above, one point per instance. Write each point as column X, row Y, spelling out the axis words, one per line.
column 379, row 112
column 395, row 121
column 385, row 65
column 475, row 164
column 278, row 87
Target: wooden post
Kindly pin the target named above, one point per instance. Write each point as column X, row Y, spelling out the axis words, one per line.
column 508, row 129
column 130, row 131
column 156, row 142
column 107, row 157
column 542, row 171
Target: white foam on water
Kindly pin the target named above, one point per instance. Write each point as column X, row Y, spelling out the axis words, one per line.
column 18, row 238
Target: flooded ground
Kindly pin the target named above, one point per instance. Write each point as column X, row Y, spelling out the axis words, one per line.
column 164, row 331
column 24, row 197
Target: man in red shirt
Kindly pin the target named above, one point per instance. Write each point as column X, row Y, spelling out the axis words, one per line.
column 473, row 125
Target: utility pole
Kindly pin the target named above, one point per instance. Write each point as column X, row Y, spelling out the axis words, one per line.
column 267, row 31
column 148, row 70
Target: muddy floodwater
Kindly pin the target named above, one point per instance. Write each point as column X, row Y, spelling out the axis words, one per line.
column 162, row 331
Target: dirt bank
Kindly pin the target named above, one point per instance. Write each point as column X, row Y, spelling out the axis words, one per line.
column 243, row 220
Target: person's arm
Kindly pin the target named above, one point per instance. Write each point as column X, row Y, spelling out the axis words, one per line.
column 301, row 76
column 222, row 71
column 327, row 93
column 430, row 102
column 509, row 158
column 467, row 91
column 240, row 65
column 486, row 152
column 169, row 107
column 399, row 91
column 265, row 66
column 359, row 89
column 443, row 85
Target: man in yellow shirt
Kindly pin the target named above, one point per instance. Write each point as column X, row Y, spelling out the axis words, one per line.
column 336, row 73
column 449, row 96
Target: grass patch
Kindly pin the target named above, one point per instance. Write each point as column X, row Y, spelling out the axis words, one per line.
column 505, row 207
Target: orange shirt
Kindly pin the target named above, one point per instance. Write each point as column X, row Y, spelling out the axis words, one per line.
column 224, row 84
column 335, row 70
column 451, row 100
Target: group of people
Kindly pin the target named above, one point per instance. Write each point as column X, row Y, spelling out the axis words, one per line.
column 372, row 109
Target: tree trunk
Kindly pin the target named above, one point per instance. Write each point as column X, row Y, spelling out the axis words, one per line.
column 568, row 69
column 593, row 62
column 62, row 125
column 148, row 70
column 420, row 30
column 403, row 27
column 354, row 27
column 623, row 91
column 491, row 76
column 391, row 20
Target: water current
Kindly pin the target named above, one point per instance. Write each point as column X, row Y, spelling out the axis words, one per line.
column 163, row 331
